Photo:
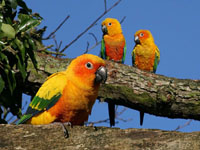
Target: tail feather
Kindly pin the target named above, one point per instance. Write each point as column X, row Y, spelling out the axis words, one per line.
column 24, row 119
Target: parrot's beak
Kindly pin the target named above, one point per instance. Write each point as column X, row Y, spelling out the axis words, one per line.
column 137, row 40
column 104, row 30
column 101, row 75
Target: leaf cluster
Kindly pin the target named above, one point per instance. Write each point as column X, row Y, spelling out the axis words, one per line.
column 19, row 39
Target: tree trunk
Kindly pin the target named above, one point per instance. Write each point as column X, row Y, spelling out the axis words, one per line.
column 133, row 88
column 51, row 137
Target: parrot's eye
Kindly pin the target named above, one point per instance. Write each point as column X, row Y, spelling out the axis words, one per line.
column 141, row 34
column 89, row 65
column 109, row 23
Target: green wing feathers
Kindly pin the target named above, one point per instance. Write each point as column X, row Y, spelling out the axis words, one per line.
column 133, row 57
column 157, row 59
column 103, row 49
column 124, row 54
column 46, row 97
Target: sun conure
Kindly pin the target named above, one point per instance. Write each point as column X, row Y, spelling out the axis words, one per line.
column 113, row 47
column 68, row 96
column 145, row 55
column 113, row 44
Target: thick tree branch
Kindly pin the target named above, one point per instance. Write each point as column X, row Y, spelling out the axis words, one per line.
column 133, row 88
column 44, row 137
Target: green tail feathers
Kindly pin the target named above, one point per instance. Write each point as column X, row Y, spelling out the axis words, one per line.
column 24, row 119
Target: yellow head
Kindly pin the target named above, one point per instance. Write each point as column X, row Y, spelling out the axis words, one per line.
column 143, row 37
column 111, row 26
column 87, row 71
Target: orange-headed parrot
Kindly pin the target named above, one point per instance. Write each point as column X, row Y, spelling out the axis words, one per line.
column 68, row 96
column 113, row 47
column 145, row 55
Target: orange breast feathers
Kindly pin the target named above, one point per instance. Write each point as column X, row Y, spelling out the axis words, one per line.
column 114, row 46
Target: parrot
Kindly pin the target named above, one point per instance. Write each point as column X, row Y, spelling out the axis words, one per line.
column 68, row 96
column 113, row 44
column 145, row 55
column 113, row 47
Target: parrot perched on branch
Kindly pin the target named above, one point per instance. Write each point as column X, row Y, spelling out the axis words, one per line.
column 113, row 44
column 145, row 55
column 68, row 96
column 113, row 47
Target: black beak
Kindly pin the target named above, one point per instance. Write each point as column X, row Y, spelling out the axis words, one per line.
column 101, row 75
column 104, row 30
column 137, row 40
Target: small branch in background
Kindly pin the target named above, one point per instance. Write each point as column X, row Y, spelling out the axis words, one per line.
column 44, row 48
column 183, row 126
column 92, row 47
column 90, row 26
column 57, row 45
column 118, row 114
column 122, row 19
column 95, row 38
column 88, row 44
column 52, row 33
column 105, row 5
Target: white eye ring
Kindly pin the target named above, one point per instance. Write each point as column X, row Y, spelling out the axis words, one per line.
column 89, row 65
column 141, row 34
column 109, row 24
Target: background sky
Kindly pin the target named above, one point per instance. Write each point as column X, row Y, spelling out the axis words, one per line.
column 173, row 23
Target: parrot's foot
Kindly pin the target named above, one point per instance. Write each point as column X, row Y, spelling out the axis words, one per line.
column 66, row 133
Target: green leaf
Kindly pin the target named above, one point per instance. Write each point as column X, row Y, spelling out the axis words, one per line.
column 21, row 68
column 11, row 80
column 2, row 84
column 13, row 3
column 7, row 31
column 22, row 4
column 31, row 52
column 21, row 47
column 27, row 22
column 1, row 18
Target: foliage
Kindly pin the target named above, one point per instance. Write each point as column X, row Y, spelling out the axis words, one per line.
column 18, row 41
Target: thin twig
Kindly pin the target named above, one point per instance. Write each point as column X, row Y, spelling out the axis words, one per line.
column 95, row 38
column 105, row 5
column 90, row 26
column 183, row 126
column 122, row 19
column 88, row 44
column 44, row 48
column 52, row 33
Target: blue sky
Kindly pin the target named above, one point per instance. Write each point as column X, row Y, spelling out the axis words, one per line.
column 173, row 23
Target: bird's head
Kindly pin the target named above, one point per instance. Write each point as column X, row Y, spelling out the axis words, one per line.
column 143, row 37
column 87, row 71
column 111, row 26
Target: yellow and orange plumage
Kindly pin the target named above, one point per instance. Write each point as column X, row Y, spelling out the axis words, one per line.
column 145, row 55
column 113, row 45
column 68, row 96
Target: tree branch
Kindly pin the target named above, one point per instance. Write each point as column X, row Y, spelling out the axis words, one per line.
column 60, row 25
column 133, row 88
column 51, row 137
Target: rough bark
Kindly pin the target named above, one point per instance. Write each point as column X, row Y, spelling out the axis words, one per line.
column 133, row 88
column 43, row 137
